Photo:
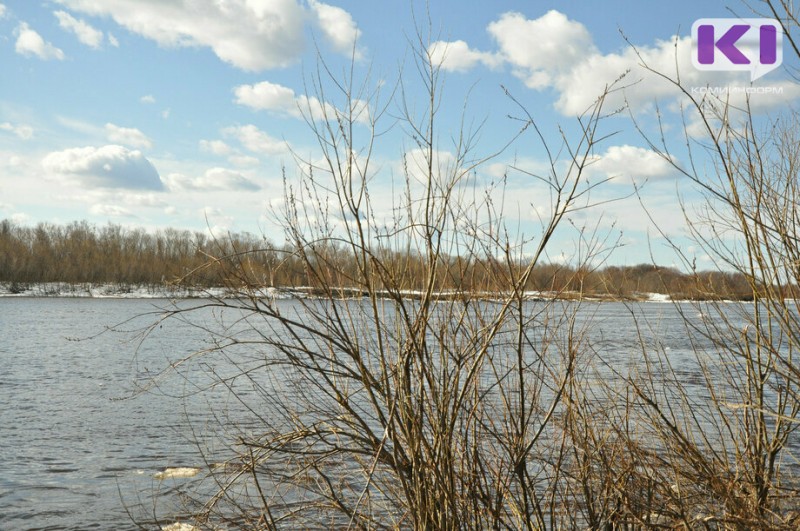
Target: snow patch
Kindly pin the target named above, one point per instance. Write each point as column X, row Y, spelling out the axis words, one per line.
column 138, row 291
column 657, row 297
column 166, row 291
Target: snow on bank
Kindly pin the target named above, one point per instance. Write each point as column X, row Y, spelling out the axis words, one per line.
column 63, row 289
column 126, row 291
column 657, row 297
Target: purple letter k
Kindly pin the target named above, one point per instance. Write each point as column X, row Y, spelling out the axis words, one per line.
column 726, row 44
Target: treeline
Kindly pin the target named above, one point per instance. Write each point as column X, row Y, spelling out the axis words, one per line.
column 83, row 253
column 80, row 252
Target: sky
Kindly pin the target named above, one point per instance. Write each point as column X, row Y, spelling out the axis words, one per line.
column 186, row 113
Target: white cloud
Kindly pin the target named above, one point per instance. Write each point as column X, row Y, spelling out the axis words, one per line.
column 20, row 218
column 25, row 132
column 541, row 48
column 217, row 147
column 112, row 211
column 127, row 136
column 252, row 139
column 579, row 87
column 585, row 81
column 113, row 41
column 141, row 200
column 213, row 179
column 268, row 96
column 457, row 56
column 249, row 34
column 148, row 98
column 2, row 10
column 109, row 166
column 338, row 27
column 29, row 43
column 554, row 52
column 416, row 164
column 627, row 164
column 86, row 33
column 257, row 141
column 220, row 223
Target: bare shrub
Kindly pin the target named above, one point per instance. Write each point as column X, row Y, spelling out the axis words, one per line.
column 417, row 385
column 708, row 438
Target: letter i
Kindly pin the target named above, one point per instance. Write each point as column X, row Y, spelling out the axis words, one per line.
column 768, row 44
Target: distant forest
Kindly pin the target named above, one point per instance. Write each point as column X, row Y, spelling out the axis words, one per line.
column 84, row 253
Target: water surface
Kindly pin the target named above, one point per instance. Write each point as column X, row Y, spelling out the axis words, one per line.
column 81, row 447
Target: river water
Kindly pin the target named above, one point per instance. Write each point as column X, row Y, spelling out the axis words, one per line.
column 82, row 446
column 79, row 446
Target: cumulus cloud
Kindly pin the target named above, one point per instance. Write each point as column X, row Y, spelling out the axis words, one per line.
column 338, row 27
column 554, row 52
column 539, row 51
column 266, row 96
column 25, row 132
column 581, row 85
column 217, row 147
column 29, row 43
column 213, row 179
column 86, row 33
column 127, row 136
column 457, row 56
column 626, row 164
column 541, row 48
column 257, row 141
column 148, row 98
column 109, row 166
column 251, row 35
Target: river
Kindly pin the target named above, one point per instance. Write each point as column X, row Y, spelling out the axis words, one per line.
column 79, row 445
column 83, row 446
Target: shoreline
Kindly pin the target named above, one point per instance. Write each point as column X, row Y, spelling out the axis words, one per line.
column 134, row 291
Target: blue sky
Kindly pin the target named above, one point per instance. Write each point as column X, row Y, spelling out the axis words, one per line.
column 182, row 113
